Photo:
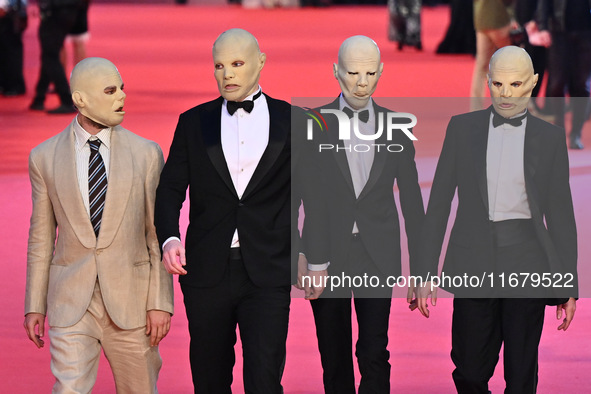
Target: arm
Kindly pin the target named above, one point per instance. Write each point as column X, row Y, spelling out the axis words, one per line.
column 560, row 216
column 560, row 220
column 172, row 188
column 435, row 224
column 160, row 303
column 40, row 250
column 308, row 182
column 411, row 200
column 411, row 204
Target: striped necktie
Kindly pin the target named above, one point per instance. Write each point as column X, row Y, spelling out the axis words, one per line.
column 97, row 185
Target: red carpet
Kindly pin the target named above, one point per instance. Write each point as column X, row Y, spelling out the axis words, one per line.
column 164, row 55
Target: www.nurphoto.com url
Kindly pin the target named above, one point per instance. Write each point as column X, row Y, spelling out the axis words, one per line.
column 501, row 280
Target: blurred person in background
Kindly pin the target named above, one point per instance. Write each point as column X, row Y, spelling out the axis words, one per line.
column 525, row 14
column 492, row 21
column 78, row 37
column 13, row 22
column 460, row 36
column 58, row 17
column 405, row 23
column 566, row 25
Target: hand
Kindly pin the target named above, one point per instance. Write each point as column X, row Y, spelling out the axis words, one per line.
column 541, row 38
column 32, row 320
column 314, row 284
column 413, row 302
column 423, row 293
column 569, row 308
column 302, row 271
column 173, row 258
column 157, row 325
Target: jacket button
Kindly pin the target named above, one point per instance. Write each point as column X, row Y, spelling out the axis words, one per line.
column 240, row 204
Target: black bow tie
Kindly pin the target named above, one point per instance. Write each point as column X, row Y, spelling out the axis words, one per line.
column 246, row 105
column 499, row 120
column 362, row 115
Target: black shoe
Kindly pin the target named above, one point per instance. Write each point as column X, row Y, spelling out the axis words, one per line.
column 37, row 105
column 575, row 143
column 62, row 109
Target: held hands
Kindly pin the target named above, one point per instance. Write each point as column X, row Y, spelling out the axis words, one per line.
column 312, row 282
column 157, row 325
column 314, row 286
column 421, row 294
column 33, row 320
column 173, row 258
column 569, row 308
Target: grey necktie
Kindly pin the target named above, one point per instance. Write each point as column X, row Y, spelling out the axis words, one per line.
column 97, row 185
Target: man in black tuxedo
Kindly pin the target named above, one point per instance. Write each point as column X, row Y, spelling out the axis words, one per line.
column 514, row 217
column 362, row 225
column 234, row 154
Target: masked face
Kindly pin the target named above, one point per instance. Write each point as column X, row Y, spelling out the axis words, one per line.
column 103, row 98
column 510, row 86
column 358, row 73
column 238, row 64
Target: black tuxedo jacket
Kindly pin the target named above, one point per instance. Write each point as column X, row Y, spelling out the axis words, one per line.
column 462, row 166
column 262, row 216
column 374, row 211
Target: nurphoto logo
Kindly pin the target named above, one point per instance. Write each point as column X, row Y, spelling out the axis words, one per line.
column 395, row 121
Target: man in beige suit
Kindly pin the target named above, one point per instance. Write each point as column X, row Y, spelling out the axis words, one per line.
column 100, row 282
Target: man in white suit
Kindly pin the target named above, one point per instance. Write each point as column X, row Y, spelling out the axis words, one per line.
column 101, row 282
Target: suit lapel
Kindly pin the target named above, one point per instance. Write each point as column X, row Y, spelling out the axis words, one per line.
column 279, row 125
column 380, row 156
column 479, row 144
column 531, row 157
column 68, row 191
column 121, row 169
column 212, row 139
column 339, row 154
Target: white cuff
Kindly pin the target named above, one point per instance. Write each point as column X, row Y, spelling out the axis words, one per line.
column 318, row 267
column 170, row 239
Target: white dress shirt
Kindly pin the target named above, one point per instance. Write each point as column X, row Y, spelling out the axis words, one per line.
column 245, row 137
column 507, row 197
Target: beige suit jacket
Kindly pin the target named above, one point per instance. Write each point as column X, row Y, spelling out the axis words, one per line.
column 65, row 259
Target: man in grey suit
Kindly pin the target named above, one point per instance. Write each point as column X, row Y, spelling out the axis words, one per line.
column 101, row 282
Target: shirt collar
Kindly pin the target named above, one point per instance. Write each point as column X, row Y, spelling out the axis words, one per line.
column 82, row 136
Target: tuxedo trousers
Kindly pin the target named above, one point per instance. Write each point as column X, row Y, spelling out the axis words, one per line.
column 261, row 314
column 481, row 325
column 332, row 316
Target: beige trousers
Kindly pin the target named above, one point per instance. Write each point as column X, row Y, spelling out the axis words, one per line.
column 75, row 353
